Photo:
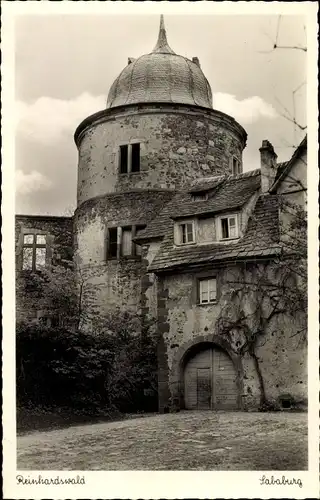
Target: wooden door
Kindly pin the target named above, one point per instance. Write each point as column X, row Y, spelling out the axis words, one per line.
column 210, row 381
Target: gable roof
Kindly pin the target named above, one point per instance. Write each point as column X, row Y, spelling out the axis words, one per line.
column 284, row 168
column 224, row 193
column 260, row 240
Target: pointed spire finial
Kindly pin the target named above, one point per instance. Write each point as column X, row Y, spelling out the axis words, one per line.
column 162, row 43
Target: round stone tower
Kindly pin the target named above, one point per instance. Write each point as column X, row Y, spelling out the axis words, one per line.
column 157, row 134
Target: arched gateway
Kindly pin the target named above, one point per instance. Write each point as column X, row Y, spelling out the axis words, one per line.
column 210, row 380
column 207, row 374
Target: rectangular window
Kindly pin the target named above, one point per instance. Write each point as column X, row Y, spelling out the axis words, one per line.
column 112, row 243
column 34, row 252
column 129, row 158
column 135, row 157
column 123, row 159
column 229, row 227
column 236, row 166
column 207, row 291
column 186, row 233
column 121, row 237
column 126, row 242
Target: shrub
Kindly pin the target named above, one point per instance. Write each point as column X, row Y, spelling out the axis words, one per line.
column 113, row 370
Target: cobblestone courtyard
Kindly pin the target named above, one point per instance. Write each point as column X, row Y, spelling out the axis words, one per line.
column 187, row 440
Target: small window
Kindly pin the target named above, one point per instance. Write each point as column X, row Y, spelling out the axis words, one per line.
column 186, row 233
column 129, row 158
column 123, row 237
column 135, row 157
column 200, row 197
column 229, row 227
column 113, row 242
column 207, row 291
column 34, row 252
column 124, row 159
column 235, row 166
column 126, row 242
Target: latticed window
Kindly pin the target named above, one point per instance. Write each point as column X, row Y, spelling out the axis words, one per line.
column 34, row 251
column 207, row 291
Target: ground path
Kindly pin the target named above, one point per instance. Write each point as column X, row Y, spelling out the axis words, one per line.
column 200, row 440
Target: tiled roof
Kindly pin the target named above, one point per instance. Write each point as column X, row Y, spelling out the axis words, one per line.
column 227, row 193
column 261, row 239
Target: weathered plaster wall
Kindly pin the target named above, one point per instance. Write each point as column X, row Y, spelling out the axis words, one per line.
column 59, row 232
column 177, row 144
column 111, row 284
column 283, row 363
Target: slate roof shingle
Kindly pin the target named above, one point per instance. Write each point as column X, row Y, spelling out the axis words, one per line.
column 261, row 239
column 225, row 193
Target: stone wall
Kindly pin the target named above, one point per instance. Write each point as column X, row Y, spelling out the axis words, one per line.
column 114, row 284
column 178, row 144
column 281, row 355
column 59, row 233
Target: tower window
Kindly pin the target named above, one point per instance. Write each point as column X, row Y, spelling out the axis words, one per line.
column 113, row 242
column 135, row 157
column 235, row 166
column 124, row 159
column 120, row 242
column 129, row 158
column 34, row 252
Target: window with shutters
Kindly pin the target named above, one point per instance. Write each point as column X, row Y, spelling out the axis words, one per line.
column 121, row 244
column 129, row 158
column 207, row 291
column 228, row 227
column 34, row 251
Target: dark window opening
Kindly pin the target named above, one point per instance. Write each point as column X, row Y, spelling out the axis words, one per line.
column 113, row 246
column 225, row 228
column 124, row 159
column 135, row 157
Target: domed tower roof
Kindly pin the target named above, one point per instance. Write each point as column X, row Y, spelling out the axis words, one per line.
column 161, row 76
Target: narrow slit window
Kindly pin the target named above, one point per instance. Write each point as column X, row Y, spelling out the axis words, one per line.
column 135, row 157
column 236, row 166
column 113, row 245
column 124, row 159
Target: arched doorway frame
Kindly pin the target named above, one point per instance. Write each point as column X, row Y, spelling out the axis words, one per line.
column 185, row 351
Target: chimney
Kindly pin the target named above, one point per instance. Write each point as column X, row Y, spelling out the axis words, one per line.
column 196, row 61
column 268, row 160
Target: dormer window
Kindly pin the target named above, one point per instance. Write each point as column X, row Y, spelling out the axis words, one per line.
column 184, row 233
column 187, row 232
column 229, row 227
column 235, row 166
column 129, row 158
column 199, row 196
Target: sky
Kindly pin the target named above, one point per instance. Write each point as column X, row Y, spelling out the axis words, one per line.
column 65, row 65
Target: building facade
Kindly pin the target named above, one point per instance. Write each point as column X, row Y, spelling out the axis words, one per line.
column 169, row 228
